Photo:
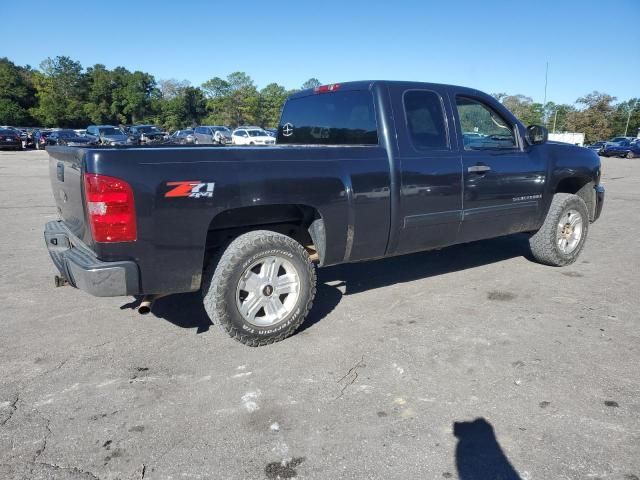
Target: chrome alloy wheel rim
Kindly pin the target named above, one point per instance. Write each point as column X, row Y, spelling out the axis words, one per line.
column 569, row 231
column 267, row 291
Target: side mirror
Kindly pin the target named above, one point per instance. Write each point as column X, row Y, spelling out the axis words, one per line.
column 537, row 134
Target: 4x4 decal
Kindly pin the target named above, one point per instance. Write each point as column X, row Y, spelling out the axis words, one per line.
column 191, row 189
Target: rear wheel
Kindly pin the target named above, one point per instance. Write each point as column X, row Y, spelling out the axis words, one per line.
column 561, row 238
column 630, row 154
column 260, row 288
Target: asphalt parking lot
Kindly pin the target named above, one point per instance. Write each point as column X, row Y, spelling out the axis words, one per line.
column 471, row 362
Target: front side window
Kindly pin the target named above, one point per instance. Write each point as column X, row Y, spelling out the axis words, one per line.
column 425, row 120
column 337, row 118
column 482, row 127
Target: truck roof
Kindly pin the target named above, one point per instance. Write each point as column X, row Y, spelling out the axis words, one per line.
column 368, row 84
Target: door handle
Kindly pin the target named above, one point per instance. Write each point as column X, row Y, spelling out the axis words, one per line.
column 478, row 168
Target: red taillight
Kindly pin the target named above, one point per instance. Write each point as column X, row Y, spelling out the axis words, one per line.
column 111, row 209
column 327, row 88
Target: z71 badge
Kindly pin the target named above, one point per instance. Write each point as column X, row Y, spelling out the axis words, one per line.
column 191, row 189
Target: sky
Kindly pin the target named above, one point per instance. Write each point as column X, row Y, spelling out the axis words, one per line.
column 494, row 46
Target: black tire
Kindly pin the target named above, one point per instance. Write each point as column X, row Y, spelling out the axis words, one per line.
column 544, row 243
column 224, row 272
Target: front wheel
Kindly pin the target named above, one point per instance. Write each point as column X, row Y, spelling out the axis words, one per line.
column 630, row 155
column 563, row 233
column 260, row 288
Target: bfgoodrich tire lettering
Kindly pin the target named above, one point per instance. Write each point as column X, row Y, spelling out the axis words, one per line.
column 225, row 272
column 547, row 245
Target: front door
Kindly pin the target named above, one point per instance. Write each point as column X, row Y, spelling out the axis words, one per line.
column 430, row 169
column 503, row 180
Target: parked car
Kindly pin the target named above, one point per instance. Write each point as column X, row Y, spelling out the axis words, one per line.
column 244, row 225
column 616, row 140
column 40, row 138
column 10, row 139
column 107, row 135
column 212, row 134
column 182, row 137
column 624, row 148
column 252, row 136
column 66, row 137
column 597, row 147
column 146, row 134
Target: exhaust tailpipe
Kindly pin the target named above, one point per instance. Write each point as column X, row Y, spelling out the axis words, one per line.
column 146, row 304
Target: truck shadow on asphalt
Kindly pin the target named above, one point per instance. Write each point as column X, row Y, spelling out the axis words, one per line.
column 479, row 456
column 186, row 311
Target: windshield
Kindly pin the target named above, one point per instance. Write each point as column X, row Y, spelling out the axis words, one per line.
column 618, row 139
column 66, row 133
column 111, row 131
column 6, row 131
column 220, row 129
column 256, row 133
column 184, row 133
column 148, row 129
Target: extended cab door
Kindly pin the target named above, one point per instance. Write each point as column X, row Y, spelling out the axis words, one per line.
column 503, row 179
column 430, row 168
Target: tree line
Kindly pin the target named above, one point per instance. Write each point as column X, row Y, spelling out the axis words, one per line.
column 596, row 114
column 61, row 93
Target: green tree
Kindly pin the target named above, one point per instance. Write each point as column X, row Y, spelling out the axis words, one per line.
column 311, row 83
column 99, row 105
column 272, row 99
column 17, row 94
column 523, row 107
column 60, row 90
column 217, row 91
column 595, row 118
column 626, row 118
column 556, row 116
column 186, row 108
column 232, row 101
column 135, row 95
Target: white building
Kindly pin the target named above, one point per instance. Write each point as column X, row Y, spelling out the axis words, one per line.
column 568, row 137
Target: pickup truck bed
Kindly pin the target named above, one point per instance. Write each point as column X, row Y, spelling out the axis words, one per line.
column 386, row 168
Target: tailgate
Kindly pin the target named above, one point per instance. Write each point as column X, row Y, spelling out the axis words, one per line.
column 66, row 165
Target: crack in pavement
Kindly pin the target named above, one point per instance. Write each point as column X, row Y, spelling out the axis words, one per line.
column 76, row 470
column 13, row 407
column 351, row 376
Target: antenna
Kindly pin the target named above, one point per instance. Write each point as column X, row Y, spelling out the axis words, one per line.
column 546, row 76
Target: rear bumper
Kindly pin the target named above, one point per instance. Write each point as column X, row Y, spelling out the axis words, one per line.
column 599, row 189
column 80, row 266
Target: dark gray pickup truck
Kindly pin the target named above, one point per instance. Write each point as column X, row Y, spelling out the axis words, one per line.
column 361, row 171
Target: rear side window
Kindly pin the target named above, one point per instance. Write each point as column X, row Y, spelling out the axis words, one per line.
column 338, row 118
column 425, row 120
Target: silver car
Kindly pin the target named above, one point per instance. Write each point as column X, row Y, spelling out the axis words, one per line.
column 212, row 134
column 107, row 135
